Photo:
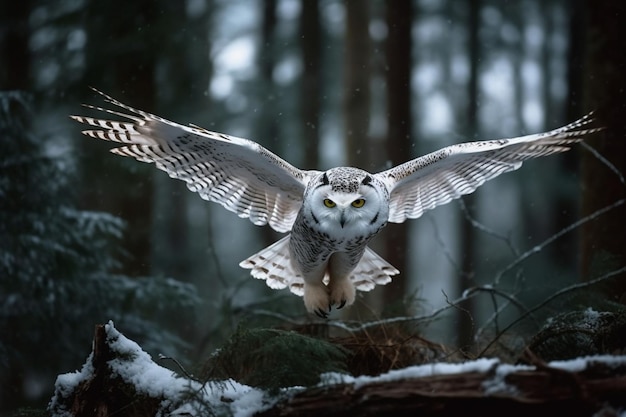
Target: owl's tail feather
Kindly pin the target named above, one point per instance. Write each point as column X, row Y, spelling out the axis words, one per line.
column 371, row 271
column 273, row 265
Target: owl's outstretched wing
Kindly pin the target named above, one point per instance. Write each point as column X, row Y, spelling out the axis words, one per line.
column 239, row 174
column 439, row 177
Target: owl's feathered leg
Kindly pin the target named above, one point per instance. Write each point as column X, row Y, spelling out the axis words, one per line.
column 316, row 297
column 330, row 284
column 273, row 264
column 342, row 291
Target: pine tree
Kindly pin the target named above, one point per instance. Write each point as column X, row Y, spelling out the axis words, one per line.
column 56, row 268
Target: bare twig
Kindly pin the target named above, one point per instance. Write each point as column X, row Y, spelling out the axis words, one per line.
column 568, row 229
column 509, row 297
column 180, row 366
column 554, row 296
column 468, row 313
column 356, row 327
column 478, row 225
column 538, row 248
column 605, row 161
column 444, row 248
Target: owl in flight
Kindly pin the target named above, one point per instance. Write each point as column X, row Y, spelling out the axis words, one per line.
column 331, row 215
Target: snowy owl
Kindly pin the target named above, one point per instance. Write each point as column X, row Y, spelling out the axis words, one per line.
column 331, row 215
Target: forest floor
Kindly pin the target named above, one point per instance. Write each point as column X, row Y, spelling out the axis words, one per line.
column 253, row 376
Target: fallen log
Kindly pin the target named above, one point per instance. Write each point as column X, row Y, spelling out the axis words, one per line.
column 120, row 379
column 581, row 387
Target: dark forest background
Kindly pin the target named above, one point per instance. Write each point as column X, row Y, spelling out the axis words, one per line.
column 87, row 237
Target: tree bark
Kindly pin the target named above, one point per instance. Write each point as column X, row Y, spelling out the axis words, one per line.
column 123, row 54
column 310, row 35
column 603, row 243
column 546, row 391
column 14, row 75
column 14, row 50
column 398, row 47
column 105, row 394
column 266, row 123
column 464, row 325
column 357, row 87
column 487, row 389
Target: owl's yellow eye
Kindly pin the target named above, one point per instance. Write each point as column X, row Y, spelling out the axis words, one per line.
column 329, row 203
column 358, row 203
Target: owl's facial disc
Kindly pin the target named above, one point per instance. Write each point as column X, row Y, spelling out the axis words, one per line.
column 343, row 205
column 346, row 199
column 337, row 208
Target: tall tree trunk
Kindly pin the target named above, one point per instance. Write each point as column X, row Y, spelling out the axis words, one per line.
column 468, row 232
column 181, row 233
column 14, row 50
column 563, row 209
column 399, row 18
column 135, row 77
column 577, row 33
column 357, row 87
column 356, row 101
column 14, row 75
column 603, row 243
column 310, row 35
column 123, row 50
column 266, row 124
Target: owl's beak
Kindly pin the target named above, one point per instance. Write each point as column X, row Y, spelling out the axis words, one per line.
column 342, row 219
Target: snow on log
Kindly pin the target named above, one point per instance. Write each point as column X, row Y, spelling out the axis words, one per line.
column 485, row 387
column 119, row 378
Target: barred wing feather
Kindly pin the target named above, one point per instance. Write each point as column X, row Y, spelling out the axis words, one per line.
column 439, row 177
column 239, row 174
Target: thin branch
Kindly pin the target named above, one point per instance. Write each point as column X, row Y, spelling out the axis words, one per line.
column 180, row 366
column 604, row 161
column 444, row 248
column 212, row 253
column 538, row 248
column 478, row 225
column 467, row 312
column 541, row 246
column 554, row 296
column 356, row 327
column 494, row 291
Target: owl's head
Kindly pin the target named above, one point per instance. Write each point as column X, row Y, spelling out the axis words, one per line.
column 348, row 198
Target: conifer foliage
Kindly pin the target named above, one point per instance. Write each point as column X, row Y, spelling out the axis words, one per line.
column 56, row 267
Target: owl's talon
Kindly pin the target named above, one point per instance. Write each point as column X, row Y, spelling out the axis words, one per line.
column 342, row 293
column 321, row 313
